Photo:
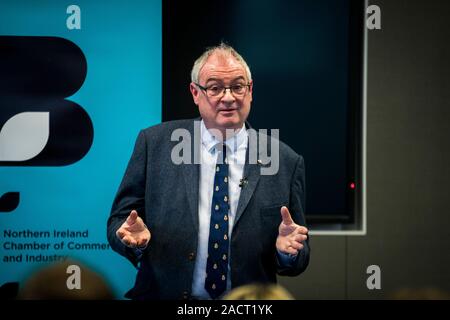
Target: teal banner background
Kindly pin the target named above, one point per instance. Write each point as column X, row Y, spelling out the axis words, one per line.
column 122, row 44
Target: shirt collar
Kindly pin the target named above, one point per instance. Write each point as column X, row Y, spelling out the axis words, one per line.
column 233, row 143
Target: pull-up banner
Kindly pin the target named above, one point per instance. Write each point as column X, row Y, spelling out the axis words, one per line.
column 77, row 83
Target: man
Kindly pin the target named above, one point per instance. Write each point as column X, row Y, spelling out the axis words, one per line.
column 198, row 230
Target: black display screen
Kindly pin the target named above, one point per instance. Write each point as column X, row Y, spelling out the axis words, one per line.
column 306, row 63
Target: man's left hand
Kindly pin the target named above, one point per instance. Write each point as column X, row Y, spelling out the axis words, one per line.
column 290, row 234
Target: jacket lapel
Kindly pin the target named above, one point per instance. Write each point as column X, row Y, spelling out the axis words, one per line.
column 252, row 174
column 191, row 173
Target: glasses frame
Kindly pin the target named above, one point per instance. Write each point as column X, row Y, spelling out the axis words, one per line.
column 224, row 90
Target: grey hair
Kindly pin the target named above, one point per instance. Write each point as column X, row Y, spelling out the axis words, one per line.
column 222, row 47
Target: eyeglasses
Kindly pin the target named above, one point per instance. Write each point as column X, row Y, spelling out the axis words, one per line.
column 238, row 90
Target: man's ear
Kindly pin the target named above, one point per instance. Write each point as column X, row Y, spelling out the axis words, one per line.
column 195, row 92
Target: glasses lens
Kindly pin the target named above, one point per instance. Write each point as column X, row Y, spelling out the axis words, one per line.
column 238, row 89
column 214, row 91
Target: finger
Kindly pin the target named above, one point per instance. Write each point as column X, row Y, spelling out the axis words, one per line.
column 142, row 243
column 300, row 237
column 132, row 218
column 286, row 216
column 290, row 250
column 129, row 241
column 301, row 230
column 296, row 245
column 141, row 239
column 120, row 233
column 125, row 241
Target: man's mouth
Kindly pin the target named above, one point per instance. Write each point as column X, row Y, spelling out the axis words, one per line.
column 227, row 110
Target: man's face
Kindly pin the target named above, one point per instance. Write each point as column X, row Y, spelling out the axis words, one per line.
column 226, row 111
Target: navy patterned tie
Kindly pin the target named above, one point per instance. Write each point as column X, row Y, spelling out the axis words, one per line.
column 218, row 244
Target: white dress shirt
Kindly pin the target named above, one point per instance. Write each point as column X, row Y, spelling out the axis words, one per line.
column 236, row 151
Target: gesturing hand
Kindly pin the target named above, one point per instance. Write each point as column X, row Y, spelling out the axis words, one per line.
column 133, row 232
column 290, row 234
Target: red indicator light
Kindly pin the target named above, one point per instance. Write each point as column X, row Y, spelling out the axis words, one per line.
column 352, row 185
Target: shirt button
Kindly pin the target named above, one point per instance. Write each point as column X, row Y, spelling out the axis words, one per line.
column 191, row 256
column 185, row 295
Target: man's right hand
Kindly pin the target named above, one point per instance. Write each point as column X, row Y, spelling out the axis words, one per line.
column 133, row 232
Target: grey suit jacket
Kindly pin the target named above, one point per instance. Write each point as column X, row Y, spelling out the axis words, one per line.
column 165, row 195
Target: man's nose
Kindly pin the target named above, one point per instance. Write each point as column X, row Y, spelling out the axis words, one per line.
column 228, row 96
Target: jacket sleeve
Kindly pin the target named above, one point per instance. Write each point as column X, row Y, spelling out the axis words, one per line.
column 297, row 210
column 130, row 196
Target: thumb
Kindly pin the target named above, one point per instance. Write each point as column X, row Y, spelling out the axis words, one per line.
column 132, row 218
column 286, row 216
